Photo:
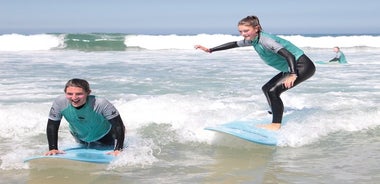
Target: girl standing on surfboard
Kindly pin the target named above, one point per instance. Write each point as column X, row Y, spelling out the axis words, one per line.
column 294, row 66
column 91, row 119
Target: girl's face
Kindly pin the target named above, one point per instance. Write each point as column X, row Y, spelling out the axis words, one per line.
column 77, row 96
column 248, row 32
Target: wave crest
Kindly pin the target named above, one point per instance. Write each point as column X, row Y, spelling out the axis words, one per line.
column 122, row 42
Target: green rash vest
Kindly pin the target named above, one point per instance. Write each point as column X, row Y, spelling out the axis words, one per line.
column 88, row 123
column 267, row 46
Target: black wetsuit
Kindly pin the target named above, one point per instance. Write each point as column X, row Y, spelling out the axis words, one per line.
column 274, row 87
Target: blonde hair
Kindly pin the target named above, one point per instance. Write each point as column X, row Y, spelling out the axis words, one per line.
column 250, row 21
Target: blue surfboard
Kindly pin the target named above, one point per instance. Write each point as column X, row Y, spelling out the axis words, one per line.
column 80, row 154
column 321, row 62
column 248, row 130
column 327, row 62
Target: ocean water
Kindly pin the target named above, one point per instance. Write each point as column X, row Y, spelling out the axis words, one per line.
column 167, row 93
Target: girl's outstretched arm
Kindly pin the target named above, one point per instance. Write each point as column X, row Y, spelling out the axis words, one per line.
column 225, row 46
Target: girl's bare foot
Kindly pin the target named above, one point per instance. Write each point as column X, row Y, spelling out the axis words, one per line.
column 272, row 126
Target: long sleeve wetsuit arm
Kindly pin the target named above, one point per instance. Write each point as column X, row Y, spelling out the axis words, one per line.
column 52, row 134
column 334, row 59
column 118, row 132
column 290, row 59
column 225, row 46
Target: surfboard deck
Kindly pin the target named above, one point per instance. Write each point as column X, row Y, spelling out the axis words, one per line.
column 248, row 130
column 80, row 154
column 327, row 63
column 321, row 62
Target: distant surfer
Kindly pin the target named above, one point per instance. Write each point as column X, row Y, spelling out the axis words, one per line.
column 92, row 120
column 294, row 66
column 339, row 56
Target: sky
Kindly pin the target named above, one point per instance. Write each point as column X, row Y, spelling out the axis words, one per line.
column 188, row 16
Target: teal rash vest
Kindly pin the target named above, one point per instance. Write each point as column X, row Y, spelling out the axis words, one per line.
column 267, row 46
column 342, row 57
column 88, row 123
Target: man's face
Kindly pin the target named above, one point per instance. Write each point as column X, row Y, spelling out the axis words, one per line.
column 77, row 96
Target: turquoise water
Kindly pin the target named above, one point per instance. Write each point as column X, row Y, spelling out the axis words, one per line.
column 167, row 96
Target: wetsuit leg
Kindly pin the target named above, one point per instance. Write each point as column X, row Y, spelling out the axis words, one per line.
column 305, row 69
column 274, row 87
column 272, row 90
column 107, row 140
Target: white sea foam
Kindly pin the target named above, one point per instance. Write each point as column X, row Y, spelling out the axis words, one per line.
column 41, row 42
column 17, row 42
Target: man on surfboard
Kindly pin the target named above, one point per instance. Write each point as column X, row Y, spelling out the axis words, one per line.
column 339, row 56
column 92, row 120
column 294, row 66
